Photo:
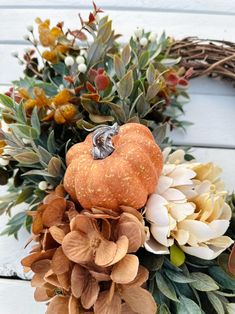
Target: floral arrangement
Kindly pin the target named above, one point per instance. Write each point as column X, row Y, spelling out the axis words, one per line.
column 121, row 222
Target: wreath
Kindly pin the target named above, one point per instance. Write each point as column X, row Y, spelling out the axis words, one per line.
column 121, row 221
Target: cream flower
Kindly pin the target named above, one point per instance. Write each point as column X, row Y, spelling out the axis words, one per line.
column 188, row 206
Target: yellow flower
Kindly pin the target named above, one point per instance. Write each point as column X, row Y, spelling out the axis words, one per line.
column 40, row 100
column 188, row 206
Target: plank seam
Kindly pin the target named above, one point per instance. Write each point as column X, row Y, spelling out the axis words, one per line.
column 118, row 8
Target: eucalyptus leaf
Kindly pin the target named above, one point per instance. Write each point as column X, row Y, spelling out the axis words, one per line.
column 203, row 282
column 187, row 306
column 7, row 102
column 222, row 277
column 168, row 62
column 119, row 67
column 230, row 307
column 94, row 52
column 216, row 303
column 159, row 134
column 35, row 120
column 118, row 111
column 24, row 131
column 42, row 173
column 126, row 54
column 165, row 287
column 27, row 158
column 144, row 59
column 152, row 90
column 24, row 195
column 151, row 74
column 126, row 85
column 45, row 156
column 51, row 143
column 178, row 277
column 100, row 119
column 54, row 166
column 105, row 32
column 163, row 309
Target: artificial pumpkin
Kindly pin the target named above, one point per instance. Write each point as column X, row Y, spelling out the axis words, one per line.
column 114, row 166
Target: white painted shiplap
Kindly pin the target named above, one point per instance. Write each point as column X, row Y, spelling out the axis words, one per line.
column 211, row 108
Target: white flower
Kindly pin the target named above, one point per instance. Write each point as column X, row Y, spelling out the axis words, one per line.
column 43, row 185
column 143, row 41
column 138, row 32
column 82, row 68
column 4, row 162
column 152, row 37
column 30, row 28
column 80, row 60
column 69, row 61
column 188, row 206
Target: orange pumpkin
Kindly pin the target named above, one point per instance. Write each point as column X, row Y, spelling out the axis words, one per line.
column 114, row 166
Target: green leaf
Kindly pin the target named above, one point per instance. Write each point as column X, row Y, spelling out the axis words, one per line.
column 27, row 158
column 60, row 68
column 100, row 119
column 177, row 256
column 17, row 219
column 54, row 166
column 7, row 102
column 165, row 287
column 152, row 90
column 24, row 195
column 151, row 74
column 230, row 307
column 20, row 112
column 126, row 54
column 94, row 52
column 163, row 309
column 215, row 301
column 35, row 120
column 119, row 66
column 24, row 131
column 45, row 156
column 119, row 113
column 159, row 134
column 188, row 306
column 203, row 282
column 105, row 32
column 168, row 62
column 51, row 143
column 42, row 173
column 178, row 276
column 144, row 59
column 126, row 85
column 222, row 277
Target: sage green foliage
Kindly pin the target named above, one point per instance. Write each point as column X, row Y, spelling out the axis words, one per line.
column 197, row 286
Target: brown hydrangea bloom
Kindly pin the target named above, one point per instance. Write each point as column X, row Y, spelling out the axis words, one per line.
column 84, row 261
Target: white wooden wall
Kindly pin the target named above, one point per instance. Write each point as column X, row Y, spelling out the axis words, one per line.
column 212, row 105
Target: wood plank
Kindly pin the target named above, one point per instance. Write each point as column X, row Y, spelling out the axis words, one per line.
column 213, row 117
column 16, row 297
column 217, row 6
column 175, row 24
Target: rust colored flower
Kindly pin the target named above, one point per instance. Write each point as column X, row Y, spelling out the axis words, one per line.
column 40, row 100
column 47, row 35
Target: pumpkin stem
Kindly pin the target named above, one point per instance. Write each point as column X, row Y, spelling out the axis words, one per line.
column 102, row 141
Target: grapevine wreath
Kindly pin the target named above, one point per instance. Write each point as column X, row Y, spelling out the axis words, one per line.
column 121, row 221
